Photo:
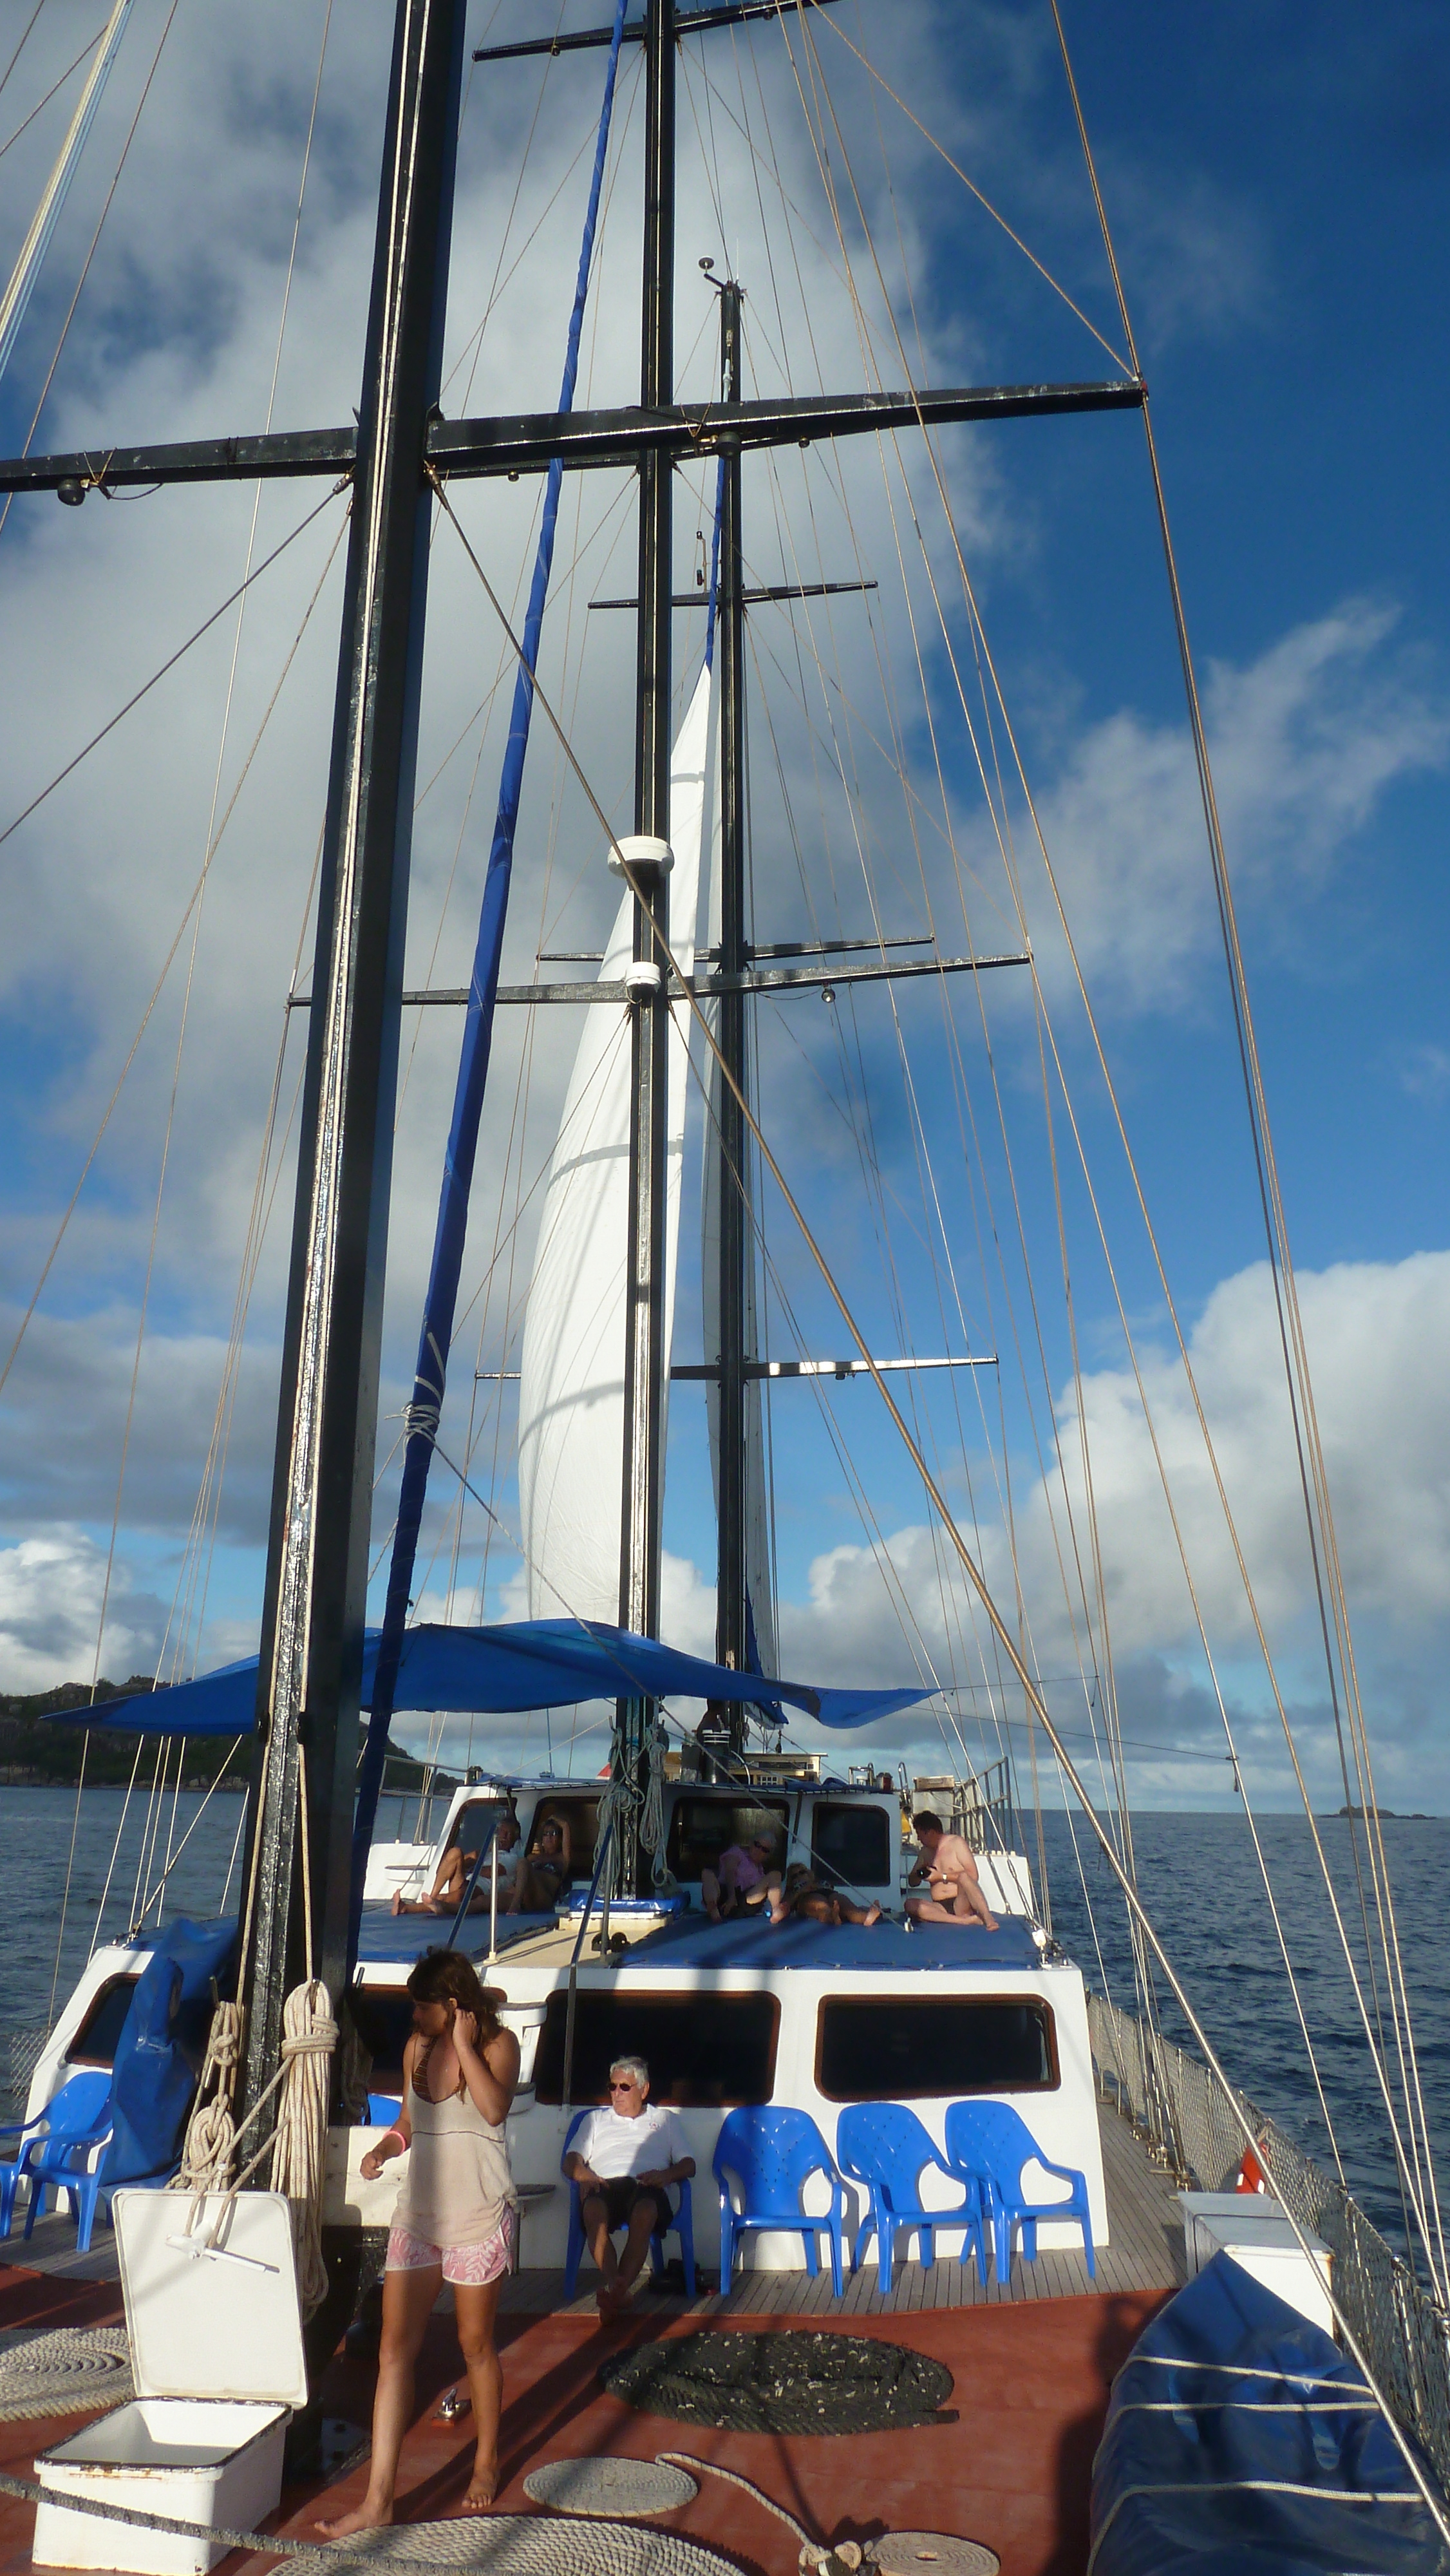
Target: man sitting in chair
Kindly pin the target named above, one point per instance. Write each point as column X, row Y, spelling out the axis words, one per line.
column 624, row 2160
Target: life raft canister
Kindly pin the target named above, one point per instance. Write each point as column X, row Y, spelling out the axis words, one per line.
column 1250, row 2174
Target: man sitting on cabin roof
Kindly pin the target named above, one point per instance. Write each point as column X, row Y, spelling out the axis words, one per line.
column 624, row 2159
column 454, row 1869
column 947, row 1863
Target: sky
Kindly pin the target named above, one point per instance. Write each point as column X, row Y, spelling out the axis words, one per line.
column 1276, row 186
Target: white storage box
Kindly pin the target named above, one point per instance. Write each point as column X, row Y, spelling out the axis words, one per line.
column 216, row 2356
column 1251, row 2227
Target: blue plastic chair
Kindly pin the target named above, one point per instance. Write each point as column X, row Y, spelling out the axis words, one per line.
column 383, row 2109
column 78, row 2119
column 990, row 2143
column 14, row 2166
column 884, row 2146
column 682, row 2225
column 770, row 2154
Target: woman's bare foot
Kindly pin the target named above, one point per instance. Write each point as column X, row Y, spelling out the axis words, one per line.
column 609, row 2298
column 397, row 1904
column 482, row 2488
column 871, row 1915
column 366, row 2517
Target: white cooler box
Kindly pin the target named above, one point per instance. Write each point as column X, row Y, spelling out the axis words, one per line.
column 1251, row 2227
column 217, row 2362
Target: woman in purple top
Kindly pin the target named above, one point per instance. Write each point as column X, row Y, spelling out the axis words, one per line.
column 744, row 1867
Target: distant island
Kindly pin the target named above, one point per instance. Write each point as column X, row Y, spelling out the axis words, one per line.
column 1392, row 1814
column 37, row 1753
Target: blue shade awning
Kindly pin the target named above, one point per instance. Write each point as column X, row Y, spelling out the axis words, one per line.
column 503, row 1671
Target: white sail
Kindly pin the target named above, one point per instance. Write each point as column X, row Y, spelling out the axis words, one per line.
column 571, row 1370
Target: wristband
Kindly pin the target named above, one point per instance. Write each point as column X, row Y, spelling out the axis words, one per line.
column 398, row 2134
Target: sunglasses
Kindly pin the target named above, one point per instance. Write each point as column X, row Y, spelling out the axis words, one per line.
column 624, row 2084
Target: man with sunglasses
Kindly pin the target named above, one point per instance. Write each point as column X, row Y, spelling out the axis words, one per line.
column 624, row 2159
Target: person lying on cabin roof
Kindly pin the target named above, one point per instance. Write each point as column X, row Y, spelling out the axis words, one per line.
column 948, row 1866
column 454, row 1870
column 625, row 2157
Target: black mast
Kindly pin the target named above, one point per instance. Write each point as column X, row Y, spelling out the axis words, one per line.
column 639, row 1570
column 312, row 1626
column 733, row 1179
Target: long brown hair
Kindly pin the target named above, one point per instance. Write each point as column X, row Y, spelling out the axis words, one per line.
column 448, row 1977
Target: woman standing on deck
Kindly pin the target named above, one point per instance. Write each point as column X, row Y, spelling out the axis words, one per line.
column 454, row 2219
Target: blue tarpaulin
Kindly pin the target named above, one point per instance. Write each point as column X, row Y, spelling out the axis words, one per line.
column 501, row 1671
column 752, row 1942
column 159, row 2053
column 1241, row 2442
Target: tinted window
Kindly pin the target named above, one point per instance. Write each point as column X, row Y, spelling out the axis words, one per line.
column 384, row 2019
column 897, row 2050
column 701, row 2050
column 95, row 2042
column 582, row 1815
column 702, row 1828
column 852, row 1844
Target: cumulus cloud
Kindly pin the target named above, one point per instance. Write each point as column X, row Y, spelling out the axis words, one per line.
column 1305, row 741
column 51, row 1589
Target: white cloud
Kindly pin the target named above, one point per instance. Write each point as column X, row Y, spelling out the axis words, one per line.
column 1305, row 741
column 51, row 1589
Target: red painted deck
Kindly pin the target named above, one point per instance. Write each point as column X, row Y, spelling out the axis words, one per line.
column 1031, row 2386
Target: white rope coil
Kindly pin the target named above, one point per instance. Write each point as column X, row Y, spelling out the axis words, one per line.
column 299, row 2143
column 211, row 2138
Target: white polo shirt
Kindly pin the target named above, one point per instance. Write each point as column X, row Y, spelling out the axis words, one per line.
column 613, row 2146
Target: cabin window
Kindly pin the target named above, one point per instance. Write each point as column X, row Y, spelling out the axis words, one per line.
column 702, row 1828
column 894, row 2048
column 96, row 2041
column 384, row 2019
column 582, row 1817
column 704, row 2051
column 851, row 1844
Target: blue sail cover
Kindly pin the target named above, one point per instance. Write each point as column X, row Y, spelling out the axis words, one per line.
column 161, row 2047
column 500, row 1671
column 1241, row 2442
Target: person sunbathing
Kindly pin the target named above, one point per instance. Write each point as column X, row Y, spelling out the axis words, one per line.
column 453, row 1873
column 947, row 1865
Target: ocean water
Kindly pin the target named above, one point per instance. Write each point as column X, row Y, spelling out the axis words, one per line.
column 1197, row 1876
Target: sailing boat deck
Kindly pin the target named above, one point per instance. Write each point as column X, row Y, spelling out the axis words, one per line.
column 1145, row 2253
column 1009, row 2465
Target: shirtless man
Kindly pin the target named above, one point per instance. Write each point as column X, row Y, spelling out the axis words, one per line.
column 946, row 1863
column 454, row 1870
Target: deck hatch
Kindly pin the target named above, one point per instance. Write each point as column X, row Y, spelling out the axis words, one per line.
column 704, row 2051
column 900, row 2048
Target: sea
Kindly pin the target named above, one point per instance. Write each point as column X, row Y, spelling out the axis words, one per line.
column 69, row 1880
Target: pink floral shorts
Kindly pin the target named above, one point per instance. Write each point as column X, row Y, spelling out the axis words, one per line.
column 475, row 2264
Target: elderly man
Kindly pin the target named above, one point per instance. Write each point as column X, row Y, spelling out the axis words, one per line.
column 624, row 2159
column 947, row 1865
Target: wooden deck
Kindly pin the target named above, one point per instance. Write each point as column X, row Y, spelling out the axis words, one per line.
column 1145, row 2252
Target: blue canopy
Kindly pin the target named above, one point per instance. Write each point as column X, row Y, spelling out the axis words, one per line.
column 525, row 1664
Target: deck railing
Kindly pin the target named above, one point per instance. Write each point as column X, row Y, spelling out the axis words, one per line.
column 1179, row 2108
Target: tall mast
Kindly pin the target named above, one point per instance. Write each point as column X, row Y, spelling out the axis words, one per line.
column 733, row 1180
column 295, row 1904
column 639, row 1572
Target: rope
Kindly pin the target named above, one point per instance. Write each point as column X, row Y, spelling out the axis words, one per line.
column 27, row 2492
column 299, row 2142
column 206, row 2158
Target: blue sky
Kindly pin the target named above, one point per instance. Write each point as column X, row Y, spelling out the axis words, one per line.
column 1277, row 187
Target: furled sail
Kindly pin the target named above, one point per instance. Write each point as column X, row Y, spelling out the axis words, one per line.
column 571, row 1370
